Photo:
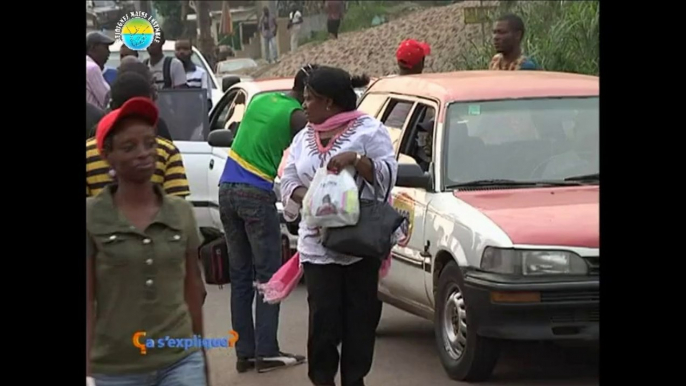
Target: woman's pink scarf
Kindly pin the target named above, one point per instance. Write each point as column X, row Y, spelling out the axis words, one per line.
column 332, row 123
column 337, row 121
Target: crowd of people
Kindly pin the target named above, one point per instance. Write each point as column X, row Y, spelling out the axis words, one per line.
column 142, row 239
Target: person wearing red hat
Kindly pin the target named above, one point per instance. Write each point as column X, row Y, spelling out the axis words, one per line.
column 142, row 272
column 411, row 56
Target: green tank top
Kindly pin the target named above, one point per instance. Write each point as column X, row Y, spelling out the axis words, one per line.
column 264, row 133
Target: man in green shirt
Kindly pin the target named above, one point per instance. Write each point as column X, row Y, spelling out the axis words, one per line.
column 247, row 204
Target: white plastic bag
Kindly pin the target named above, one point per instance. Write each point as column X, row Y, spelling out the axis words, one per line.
column 332, row 200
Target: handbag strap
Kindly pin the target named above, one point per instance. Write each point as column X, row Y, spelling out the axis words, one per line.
column 376, row 183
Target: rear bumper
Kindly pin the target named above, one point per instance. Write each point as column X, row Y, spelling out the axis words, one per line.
column 563, row 309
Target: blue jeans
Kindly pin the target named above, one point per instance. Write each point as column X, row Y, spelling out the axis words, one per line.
column 189, row 371
column 253, row 234
column 270, row 49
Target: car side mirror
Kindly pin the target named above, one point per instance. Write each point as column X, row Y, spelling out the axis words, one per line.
column 220, row 138
column 229, row 81
column 411, row 175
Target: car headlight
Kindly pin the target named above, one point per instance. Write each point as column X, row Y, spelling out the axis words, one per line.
column 532, row 262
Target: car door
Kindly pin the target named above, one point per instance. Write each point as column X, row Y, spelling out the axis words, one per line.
column 184, row 111
column 408, row 275
column 228, row 114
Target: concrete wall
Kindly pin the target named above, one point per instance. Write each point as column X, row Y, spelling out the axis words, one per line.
column 314, row 23
column 255, row 50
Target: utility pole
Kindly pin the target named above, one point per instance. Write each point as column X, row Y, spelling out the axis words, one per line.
column 206, row 42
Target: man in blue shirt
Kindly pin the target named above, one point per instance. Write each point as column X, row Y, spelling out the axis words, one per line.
column 110, row 73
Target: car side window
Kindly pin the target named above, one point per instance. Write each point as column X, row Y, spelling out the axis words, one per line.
column 236, row 111
column 221, row 112
column 394, row 117
column 417, row 141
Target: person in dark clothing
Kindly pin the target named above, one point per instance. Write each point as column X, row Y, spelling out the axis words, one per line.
column 335, row 11
column 93, row 116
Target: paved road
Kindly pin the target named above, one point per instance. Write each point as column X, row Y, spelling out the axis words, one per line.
column 405, row 353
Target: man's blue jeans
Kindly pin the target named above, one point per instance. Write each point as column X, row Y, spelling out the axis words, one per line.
column 253, row 234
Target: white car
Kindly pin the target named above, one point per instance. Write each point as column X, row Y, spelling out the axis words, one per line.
column 169, row 50
column 499, row 178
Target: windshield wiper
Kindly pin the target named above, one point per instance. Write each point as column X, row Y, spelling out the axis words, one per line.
column 502, row 182
column 585, row 177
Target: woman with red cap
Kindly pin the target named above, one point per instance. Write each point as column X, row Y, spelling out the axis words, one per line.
column 143, row 280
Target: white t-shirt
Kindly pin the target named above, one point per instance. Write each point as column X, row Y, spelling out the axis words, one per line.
column 296, row 20
column 176, row 71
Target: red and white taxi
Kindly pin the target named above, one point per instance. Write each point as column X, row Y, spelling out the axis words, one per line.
column 499, row 178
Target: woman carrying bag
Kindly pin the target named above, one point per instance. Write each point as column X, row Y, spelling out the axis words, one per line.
column 342, row 289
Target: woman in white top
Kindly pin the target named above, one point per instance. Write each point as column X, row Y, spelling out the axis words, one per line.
column 342, row 290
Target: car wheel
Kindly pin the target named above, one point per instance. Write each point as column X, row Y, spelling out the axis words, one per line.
column 465, row 355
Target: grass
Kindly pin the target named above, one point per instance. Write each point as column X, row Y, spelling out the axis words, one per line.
column 560, row 36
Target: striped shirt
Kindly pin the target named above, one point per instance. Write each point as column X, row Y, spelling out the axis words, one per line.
column 197, row 78
column 169, row 171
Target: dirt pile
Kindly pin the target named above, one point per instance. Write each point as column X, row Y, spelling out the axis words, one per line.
column 372, row 51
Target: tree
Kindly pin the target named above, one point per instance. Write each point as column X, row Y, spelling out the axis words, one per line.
column 174, row 13
column 206, row 42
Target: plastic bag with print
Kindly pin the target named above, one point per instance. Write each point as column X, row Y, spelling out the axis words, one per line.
column 332, row 200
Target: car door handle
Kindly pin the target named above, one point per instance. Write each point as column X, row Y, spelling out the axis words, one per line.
column 211, row 164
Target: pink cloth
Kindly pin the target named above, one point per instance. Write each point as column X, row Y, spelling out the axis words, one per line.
column 337, row 121
column 385, row 267
column 282, row 165
column 282, row 282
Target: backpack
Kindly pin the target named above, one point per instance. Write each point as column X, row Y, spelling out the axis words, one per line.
column 166, row 70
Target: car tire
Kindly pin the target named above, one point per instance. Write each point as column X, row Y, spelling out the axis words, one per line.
column 465, row 356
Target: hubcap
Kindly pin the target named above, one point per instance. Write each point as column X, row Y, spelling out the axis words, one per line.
column 454, row 323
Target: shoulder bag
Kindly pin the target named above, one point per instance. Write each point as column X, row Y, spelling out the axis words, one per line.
column 371, row 237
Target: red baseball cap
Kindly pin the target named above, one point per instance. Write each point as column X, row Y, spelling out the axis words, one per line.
column 139, row 106
column 411, row 52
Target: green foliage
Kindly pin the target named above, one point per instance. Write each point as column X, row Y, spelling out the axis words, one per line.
column 359, row 16
column 171, row 12
column 315, row 37
column 560, row 36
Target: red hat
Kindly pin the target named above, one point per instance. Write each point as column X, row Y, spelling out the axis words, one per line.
column 411, row 52
column 138, row 106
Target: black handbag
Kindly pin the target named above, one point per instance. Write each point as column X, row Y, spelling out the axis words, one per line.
column 371, row 236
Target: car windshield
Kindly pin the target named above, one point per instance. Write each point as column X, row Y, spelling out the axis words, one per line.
column 236, row 65
column 114, row 60
column 521, row 140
